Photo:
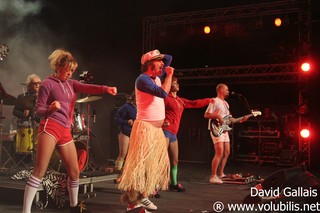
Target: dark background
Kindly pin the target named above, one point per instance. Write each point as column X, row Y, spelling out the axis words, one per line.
column 106, row 39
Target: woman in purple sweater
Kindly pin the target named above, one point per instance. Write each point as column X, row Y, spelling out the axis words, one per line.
column 55, row 106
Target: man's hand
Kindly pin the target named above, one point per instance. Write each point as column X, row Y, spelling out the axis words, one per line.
column 55, row 106
column 169, row 70
column 244, row 119
column 26, row 113
column 130, row 122
column 212, row 100
column 166, row 123
column 112, row 90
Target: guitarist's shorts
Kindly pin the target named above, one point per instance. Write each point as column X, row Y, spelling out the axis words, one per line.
column 224, row 138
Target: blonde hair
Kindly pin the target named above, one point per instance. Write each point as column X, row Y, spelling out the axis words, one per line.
column 62, row 58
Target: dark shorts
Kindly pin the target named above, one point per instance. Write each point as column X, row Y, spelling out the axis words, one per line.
column 61, row 134
column 172, row 137
column 126, row 133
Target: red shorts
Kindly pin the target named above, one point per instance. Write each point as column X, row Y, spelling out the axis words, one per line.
column 61, row 134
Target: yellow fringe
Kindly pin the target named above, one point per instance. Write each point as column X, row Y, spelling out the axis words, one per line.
column 147, row 165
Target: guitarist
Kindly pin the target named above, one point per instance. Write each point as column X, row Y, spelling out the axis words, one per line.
column 218, row 110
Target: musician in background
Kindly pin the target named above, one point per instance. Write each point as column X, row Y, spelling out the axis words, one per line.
column 218, row 110
column 268, row 114
column 24, row 108
column 125, row 117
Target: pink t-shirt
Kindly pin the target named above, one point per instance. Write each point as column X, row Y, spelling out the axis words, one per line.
column 150, row 107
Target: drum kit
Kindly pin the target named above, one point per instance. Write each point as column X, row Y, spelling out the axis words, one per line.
column 80, row 128
column 24, row 140
column 79, row 120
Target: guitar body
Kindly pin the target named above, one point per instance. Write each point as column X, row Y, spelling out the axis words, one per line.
column 218, row 128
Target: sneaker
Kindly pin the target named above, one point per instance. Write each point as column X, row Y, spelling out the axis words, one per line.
column 222, row 176
column 80, row 208
column 177, row 188
column 147, row 204
column 215, row 180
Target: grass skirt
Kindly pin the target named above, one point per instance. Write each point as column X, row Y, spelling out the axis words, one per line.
column 147, row 165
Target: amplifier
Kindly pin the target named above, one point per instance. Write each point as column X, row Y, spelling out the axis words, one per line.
column 259, row 134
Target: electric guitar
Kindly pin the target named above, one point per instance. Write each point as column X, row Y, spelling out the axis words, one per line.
column 3, row 51
column 218, row 128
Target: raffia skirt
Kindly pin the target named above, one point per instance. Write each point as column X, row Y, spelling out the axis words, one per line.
column 147, row 164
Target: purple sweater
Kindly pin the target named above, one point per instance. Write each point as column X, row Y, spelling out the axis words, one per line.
column 52, row 89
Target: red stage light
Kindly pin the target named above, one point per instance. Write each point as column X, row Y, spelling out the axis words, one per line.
column 305, row 133
column 305, row 67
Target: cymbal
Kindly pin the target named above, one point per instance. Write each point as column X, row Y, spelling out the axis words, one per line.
column 8, row 99
column 88, row 99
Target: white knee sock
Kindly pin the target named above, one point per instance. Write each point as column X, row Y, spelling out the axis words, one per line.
column 119, row 164
column 73, row 189
column 29, row 193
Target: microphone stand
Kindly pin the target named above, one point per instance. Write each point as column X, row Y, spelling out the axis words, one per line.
column 260, row 128
column 90, row 162
column 244, row 101
column 88, row 137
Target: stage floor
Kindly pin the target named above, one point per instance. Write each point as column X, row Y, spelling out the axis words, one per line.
column 199, row 196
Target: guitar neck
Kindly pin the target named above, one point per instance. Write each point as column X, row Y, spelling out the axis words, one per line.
column 236, row 120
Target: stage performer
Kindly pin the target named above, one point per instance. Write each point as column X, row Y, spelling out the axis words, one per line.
column 174, row 106
column 125, row 117
column 218, row 110
column 25, row 104
column 55, row 106
column 147, row 165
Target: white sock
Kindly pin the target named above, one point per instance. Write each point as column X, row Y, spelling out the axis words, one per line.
column 29, row 193
column 73, row 189
column 119, row 164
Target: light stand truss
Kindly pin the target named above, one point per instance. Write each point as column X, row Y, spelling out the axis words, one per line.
column 300, row 7
column 263, row 73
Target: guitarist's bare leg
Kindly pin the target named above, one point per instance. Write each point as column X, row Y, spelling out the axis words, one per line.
column 226, row 153
column 219, row 150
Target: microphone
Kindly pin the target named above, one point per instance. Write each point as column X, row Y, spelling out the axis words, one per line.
column 236, row 94
column 94, row 116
